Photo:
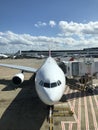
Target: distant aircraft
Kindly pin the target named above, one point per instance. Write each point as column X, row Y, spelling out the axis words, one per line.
column 50, row 80
column 34, row 56
column 3, row 56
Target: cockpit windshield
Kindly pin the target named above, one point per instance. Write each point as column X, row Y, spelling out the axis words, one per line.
column 53, row 84
column 47, row 85
column 50, row 85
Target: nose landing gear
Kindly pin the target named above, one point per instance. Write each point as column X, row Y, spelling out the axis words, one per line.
column 58, row 110
column 50, row 117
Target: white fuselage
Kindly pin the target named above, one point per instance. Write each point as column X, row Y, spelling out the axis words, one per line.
column 50, row 82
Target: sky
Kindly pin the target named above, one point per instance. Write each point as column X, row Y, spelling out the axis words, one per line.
column 44, row 24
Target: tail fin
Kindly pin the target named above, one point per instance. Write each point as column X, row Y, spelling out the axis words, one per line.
column 49, row 48
column 49, row 53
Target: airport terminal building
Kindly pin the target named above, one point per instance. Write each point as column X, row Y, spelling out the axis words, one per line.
column 89, row 52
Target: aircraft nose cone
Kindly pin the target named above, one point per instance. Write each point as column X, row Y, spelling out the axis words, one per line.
column 53, row 98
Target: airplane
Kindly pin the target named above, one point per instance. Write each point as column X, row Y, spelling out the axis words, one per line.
column 50, row 82
column 3, row 56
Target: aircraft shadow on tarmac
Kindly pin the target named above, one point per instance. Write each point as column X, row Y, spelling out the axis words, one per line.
column 72, row 84
column 10, row 86
column 26, row 112
column 78, row 94
column 74, row 95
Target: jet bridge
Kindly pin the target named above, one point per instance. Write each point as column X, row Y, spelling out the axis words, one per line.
column 82, row 71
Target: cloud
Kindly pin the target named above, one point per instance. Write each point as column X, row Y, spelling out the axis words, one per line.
column 10, row 42
column 70, row 35
column 52, row 23
column 79, row 29
column 40, row 24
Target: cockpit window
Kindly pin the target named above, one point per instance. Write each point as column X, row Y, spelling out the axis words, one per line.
column 41, row 83
column 50, row 85
column 58, row 82
column 47, row 85
column 53, row 84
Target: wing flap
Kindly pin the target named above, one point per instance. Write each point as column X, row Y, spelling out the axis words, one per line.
column 23, row 68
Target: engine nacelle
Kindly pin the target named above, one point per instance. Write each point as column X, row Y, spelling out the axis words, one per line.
column 18, row 79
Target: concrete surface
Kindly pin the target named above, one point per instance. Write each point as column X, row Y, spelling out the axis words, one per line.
column 21, row 109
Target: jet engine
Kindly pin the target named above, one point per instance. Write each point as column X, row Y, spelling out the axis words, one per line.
column 18, row 79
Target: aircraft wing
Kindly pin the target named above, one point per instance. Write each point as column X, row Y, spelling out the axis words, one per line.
column 23, row 68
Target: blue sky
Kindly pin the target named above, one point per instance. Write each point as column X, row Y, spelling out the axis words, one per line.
column 34, row 24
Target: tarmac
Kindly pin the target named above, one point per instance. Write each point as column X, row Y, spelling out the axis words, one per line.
column 21, row 109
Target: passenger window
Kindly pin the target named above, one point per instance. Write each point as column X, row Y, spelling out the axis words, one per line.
column 53, row 84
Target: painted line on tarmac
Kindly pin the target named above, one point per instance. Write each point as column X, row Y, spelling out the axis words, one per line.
column 93, row 114
column 96, row 101
column 78, row 119
column 62, row 125
column 72, row 106
column 86, row 113
column 70, row 126
column 72, row 109
column 63, row 122
column 79, row 114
